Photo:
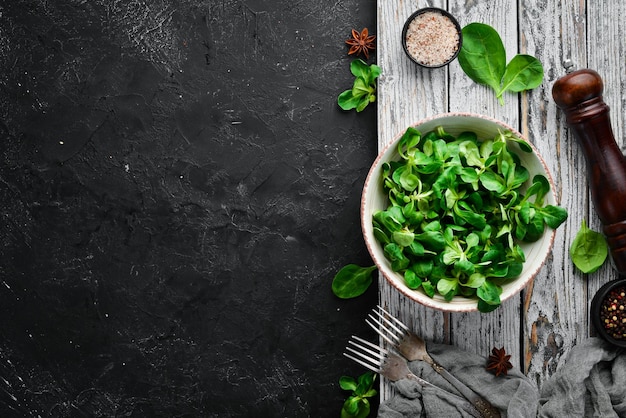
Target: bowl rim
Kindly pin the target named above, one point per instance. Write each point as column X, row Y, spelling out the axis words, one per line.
column 443, row 12
column 596, row 305
column 434, row 302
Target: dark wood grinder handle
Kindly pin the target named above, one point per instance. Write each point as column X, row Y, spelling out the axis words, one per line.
column 579, row 95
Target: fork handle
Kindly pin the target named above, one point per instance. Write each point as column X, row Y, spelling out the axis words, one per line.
column 486, row 409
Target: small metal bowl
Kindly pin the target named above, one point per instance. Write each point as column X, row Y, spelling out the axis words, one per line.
column 598, row 304
column 406, row 44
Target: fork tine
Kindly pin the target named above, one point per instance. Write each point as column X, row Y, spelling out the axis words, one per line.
column 391, row 326
column 364, row 364
column 370, row 355
column 369, row 348
column 378, row 327
column 395, row 320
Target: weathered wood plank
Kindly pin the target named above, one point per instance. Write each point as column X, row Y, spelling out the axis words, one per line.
column 551, row 316
column 555, row 307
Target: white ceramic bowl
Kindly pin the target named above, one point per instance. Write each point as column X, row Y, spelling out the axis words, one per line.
column 374, row 198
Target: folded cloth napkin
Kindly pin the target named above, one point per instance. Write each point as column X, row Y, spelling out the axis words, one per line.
column 591, row 382
column 514, row 394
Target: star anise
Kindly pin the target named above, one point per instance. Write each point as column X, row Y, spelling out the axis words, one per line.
column 499, row 361
column 361, row 43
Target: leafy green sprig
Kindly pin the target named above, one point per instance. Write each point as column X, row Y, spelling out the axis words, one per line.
column 457, row 212
column 363, row 91
column 357, row 405
column 483, row 58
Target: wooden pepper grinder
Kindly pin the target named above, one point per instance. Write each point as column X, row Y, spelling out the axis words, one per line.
column 579, row 95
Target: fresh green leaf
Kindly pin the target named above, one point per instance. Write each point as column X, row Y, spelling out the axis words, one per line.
column 390, row 219
column 485, row 307
column 422, row 268
column 433, row 240
column 363, row 103
column 476, row 280
column 404, row 237
column 429, row 289
column 492, row 182
column 524, row 72
column 520, row 176
column 489, row 293
column 380, row 235
column 395, row 254
column 544, row 188
column 589, row 249
column 554, row 216
column 375, row 72
column 483, row 59
column 482, row 56
column 409, row 181
column 364, row 383
column 445, row 286
column 515, row 269
column 523, row 145
column 359, row 69
column 469, row 150
column 360, row 88
column 412, row 280
column 347, row 383
column 465, row 266
column 535, row 228
column 352, row 281
column 347, row 101
column 416, row 249
column 408, row 141
column 351, row 406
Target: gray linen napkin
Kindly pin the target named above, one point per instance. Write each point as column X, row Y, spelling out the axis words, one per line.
column 591, row 382
column 515, row 395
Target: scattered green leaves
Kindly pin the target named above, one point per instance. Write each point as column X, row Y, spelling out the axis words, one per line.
column 589, row 249
column 483, row 59
column 363, row 90
column 357, row 405
column 352, row 281
column 457, row 209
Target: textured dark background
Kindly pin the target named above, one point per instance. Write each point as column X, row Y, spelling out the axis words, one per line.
column 178, row 188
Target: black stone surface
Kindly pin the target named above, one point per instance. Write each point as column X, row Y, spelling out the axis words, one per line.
column 178, row 188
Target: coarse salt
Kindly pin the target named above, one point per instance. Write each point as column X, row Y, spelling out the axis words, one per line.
column 432, row 39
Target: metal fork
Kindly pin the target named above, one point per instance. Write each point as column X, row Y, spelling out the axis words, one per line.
column 412, row 348
column 394, row 367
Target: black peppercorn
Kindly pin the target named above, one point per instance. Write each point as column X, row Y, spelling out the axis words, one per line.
column 613, row 314
column 608, row 312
